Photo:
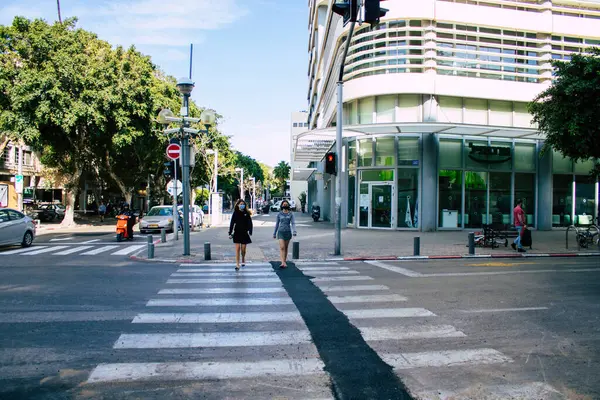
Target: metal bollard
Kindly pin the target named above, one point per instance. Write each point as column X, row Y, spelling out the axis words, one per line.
column 163, row 235
column 295, row 250
column 207, row 251
column 471, row 243
column 150, row 247
column 417, row 246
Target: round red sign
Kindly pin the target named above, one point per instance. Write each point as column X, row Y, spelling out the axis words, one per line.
column 173, row 151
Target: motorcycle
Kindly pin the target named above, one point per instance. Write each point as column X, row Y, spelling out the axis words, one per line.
column 316, row 213
column 122, row 232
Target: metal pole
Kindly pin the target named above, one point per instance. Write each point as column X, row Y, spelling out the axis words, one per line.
column 207, row 255
column 186, row 184
column 175, row 215
column 471, row 243
column 20, row 172
column 338, row 147
column 417, row 246
column 148, row 195
column 242, row 185
column 295, row 250
column 150, row 247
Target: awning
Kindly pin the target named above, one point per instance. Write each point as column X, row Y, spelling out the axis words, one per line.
column 313, row 145
column 302, row 174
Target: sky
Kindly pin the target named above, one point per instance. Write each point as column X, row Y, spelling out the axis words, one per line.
column 250, row 56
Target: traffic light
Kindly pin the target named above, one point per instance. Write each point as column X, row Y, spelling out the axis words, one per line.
column 373, row 11
column 169, row 169
column 347, row 9
column 330, row 164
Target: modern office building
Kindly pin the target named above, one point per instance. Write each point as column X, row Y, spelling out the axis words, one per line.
column 436, row 130
column 298, row 124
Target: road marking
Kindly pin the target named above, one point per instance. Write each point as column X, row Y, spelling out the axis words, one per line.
column 496, row 310
column 229, row 269
column 206, row 265
column 318, row 273
column 240, row 279
column 297, row 263
column 538, row 271
column 231, row 272
column 324, row 269
column 342, row 278
column 388, row 313
column 501, row 264
column 18, row 251
column 445, row 358
column 128, row 250
column 530, row 390
column 222, row 290
column 211, row 339
column 205, row 370
column 46, row 250
column 98, row 250
column 351, row 288
column 71, row 250
column 206, row 318
column 376, row 298
column 219, row 302
column 91, row 241
column 60, row 239
column 416, row 332
column 400, row 270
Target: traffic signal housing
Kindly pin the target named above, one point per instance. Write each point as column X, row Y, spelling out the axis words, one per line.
column 374, row 11
column 169, row 169
column 331, row 163
column 347, row 9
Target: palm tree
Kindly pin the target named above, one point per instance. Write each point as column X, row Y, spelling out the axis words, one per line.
column 281, row 173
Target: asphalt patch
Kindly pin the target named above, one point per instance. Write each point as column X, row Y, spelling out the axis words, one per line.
column 356, row 370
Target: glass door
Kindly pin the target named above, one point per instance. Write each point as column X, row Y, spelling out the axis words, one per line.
column 381, row 205
column 364, row 205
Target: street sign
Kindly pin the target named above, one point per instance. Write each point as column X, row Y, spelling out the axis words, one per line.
column 171, row 187
column 173, row 151
column 19, row 183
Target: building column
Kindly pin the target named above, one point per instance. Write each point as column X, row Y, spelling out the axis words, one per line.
column 544, row 198
column 429, row 172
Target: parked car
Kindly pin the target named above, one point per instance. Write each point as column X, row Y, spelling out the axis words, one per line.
column 196, row 215
column 276, row 206
column 60, row 210
column 45, row 213
column 159, row 217
column 16, row 228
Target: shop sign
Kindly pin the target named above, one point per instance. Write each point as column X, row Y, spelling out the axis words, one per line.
column 489, row 154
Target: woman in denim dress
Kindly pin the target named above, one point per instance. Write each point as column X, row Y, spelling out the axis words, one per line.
column 285, row 228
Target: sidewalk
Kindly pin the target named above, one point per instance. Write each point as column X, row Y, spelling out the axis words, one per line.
column 317, row 243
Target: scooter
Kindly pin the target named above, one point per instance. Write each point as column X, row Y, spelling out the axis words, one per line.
column 122, row 232
column 316, row 213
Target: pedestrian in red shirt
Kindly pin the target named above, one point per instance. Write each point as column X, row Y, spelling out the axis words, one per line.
column 520, row 224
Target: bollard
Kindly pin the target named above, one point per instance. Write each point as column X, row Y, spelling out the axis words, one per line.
column 471, row 243
column 295, row 250
column 150, row 247
column 207, row 251
column 417, row 246
column 163, row 235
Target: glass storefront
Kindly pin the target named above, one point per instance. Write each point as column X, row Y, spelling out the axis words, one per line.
column 476, row 186
column 450, row 198
column 408, row 197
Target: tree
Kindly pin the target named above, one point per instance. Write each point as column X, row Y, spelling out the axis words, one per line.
column 568, row 111
column 281, row 173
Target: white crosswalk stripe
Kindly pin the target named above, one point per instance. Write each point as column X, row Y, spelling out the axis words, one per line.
column 240, row 279
column 219, row 302
column 42, row 251
column 279, row 290
column 18, row 251
column 376, row 298
column 205, row 318
column 98, row 250
column 230, row 273
column 351, row 288
column 89, row 249
column 128, row 250
column 72, row 250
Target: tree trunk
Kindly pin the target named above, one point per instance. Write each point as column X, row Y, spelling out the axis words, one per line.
column 71, row 193
column 128, row 196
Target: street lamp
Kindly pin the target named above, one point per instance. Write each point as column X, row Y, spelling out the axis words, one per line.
column 213, row 189
column 241, row 170
column 253, row 179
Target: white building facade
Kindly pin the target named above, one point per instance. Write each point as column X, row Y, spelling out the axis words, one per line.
column 436, row 129
column 298, row 125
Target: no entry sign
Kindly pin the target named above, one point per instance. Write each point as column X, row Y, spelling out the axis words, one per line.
column 173, row 151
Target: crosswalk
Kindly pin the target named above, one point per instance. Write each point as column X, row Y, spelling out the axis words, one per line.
column 74, row 249
column 243, row 326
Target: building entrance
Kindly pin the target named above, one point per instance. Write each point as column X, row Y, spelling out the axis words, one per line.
column 375, row 203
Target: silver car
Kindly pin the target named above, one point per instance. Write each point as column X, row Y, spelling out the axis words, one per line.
column 16, row 228
column 159, row 217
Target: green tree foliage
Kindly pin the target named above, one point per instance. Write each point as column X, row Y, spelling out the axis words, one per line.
column 568, row 112
column 281, row 173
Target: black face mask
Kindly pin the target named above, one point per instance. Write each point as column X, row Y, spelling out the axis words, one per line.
column 286, row 207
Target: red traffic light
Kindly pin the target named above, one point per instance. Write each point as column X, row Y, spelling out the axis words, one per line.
column 330, row 158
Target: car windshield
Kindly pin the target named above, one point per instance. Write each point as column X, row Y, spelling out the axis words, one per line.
column 160, row 212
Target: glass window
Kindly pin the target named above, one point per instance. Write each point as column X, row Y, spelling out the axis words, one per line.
column 365, row 110
column 450, row 199
column 561, row 164
column 500, row 200
column 365, row 153
column 476, row 184
column 408, row 192
column 476, row 111
column 364, row 205
column 295, row 124
column 15, row 215
column 500, row 113
column 500, row 156
column 450, row 153
column 351, row 196
column 450, row 109
column 585, row 199
column 525, row 154
column 386, row 107
column 3, row 216
column 584, row 167
column 353, row 114
column 562, row 200
column 384, row 151
column 525, row 190
column 476, row 154
column 377, row 175
column 352, row 154
column 522, row 118
column 408, row 151
column 408, row 108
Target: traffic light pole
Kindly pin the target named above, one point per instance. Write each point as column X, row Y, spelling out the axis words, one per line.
column 175, row 215
column 338, row 148
column 185, row 149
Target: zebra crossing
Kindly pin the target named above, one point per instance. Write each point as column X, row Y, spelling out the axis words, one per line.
column 74, row 249
column 243, row 326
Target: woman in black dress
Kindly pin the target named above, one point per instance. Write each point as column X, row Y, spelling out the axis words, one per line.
column 240, row 230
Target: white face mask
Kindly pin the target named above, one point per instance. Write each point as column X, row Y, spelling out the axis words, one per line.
column 242, row 206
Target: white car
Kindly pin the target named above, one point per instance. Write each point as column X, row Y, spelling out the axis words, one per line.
column 196, row 215
column 159, row 217
column 16, row 228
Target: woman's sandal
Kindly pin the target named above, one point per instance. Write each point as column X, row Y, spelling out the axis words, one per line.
column 237, row 268
column 283, row 266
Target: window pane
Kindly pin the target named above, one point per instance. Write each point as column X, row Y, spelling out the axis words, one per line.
column 365, row 110
column 386, row 107
column 500, row 113
column 522, row 118
column 364, row 204
column 351, row 196
column 584, row 167
column 500, row 204
column 352, row 154
column 525, row 190
column 450, row 109
column 408, row 192
column 525, row 157
column 353, row 114
column 408, row 108
column 450, row 153
column 500, row 156
column 476, row 199
column 562, row 200
column 475, row 154
column 561, row 164
column 377, row 175
column 450, row 198
column 365, row 153
column 408, row 151
column 476, row 111
column 585, row 199
column 384, row 151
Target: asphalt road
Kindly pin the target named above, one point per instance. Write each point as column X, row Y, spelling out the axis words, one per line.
column 102, row 327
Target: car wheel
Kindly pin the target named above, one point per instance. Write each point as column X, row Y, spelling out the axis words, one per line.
column 27, row 239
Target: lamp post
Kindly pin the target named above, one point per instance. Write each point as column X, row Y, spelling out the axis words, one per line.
column 241, row 171
column 253, row 203
column 213, row 188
